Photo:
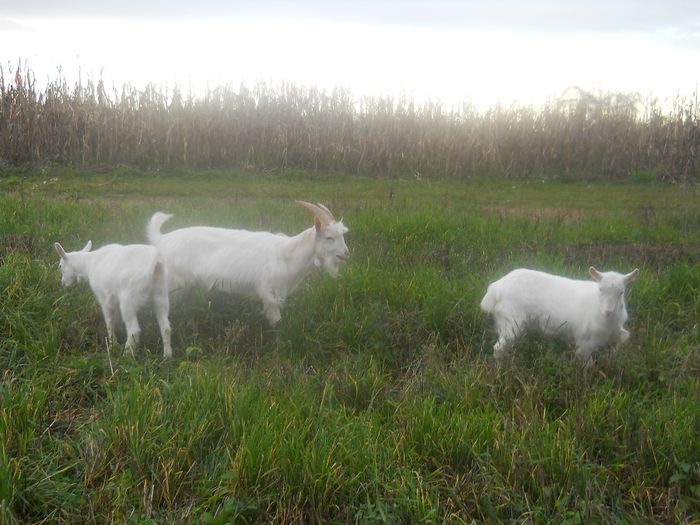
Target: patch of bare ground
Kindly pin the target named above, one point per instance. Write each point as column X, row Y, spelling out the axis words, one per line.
column 653, row 256
column 15, row 242
column 606, row 256
column 68, row 420
column 569, row 215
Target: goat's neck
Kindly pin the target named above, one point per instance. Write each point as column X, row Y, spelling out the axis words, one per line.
column 300, row 252
column 621, row 310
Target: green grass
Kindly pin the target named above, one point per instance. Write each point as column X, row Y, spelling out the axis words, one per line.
column 376, row 399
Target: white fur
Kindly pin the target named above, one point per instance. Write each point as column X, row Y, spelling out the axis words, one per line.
column 124, row 279
column 592, row 314
column 260, row 265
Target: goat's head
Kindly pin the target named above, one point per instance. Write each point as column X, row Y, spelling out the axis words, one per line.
column 611, row 289
column 331, row 250
column 69, row 272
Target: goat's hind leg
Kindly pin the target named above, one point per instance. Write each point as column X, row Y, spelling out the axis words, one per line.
column 500, row 349
column 508, row 330
column 131, row 321
column 161, row 306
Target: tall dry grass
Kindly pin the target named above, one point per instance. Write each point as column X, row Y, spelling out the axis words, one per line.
column 581, row 135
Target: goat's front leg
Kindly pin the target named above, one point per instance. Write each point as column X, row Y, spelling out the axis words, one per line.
column 108, row 313
column 584, row 354
column 623, row 336
column 617, row 341
column 272, row 312
column 272, row 305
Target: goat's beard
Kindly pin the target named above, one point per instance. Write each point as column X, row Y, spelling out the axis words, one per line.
column 332, row 266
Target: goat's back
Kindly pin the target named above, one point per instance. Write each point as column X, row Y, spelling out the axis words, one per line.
column 218, row 257
column 531, row 294
column 121, row 267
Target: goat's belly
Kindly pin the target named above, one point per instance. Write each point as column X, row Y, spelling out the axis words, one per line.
column 551, row 323
column 240, row 289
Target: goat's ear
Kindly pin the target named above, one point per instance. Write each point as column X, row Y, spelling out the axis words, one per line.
column 59, row 249
column 631, row 276
column 317, row 223
column 87, row 247
column 595, row 274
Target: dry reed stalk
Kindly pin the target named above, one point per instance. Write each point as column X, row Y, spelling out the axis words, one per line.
column 602, row 136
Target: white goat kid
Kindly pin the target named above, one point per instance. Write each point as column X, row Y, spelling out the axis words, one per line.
column 592, row 314
column 260, row 265
column 124, row 279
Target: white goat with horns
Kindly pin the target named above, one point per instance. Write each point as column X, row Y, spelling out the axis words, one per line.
column 124, row 279
column 261, row 265
column 592, row 314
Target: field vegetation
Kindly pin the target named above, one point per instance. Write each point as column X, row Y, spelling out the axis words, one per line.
column 376, row 400
column 591, row 136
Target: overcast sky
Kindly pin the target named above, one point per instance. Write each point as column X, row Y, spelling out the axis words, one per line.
column 486, row 52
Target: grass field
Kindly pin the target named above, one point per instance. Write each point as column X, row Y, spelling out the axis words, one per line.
column 376, row 399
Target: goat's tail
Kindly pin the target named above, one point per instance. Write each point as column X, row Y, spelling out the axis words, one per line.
column 153, row 229
column 158, row 270
column 488, row 303
column 159, row 278
column 158, row 273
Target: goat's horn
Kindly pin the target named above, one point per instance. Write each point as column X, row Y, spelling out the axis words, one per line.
column 322, row 214
column 330, row 214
